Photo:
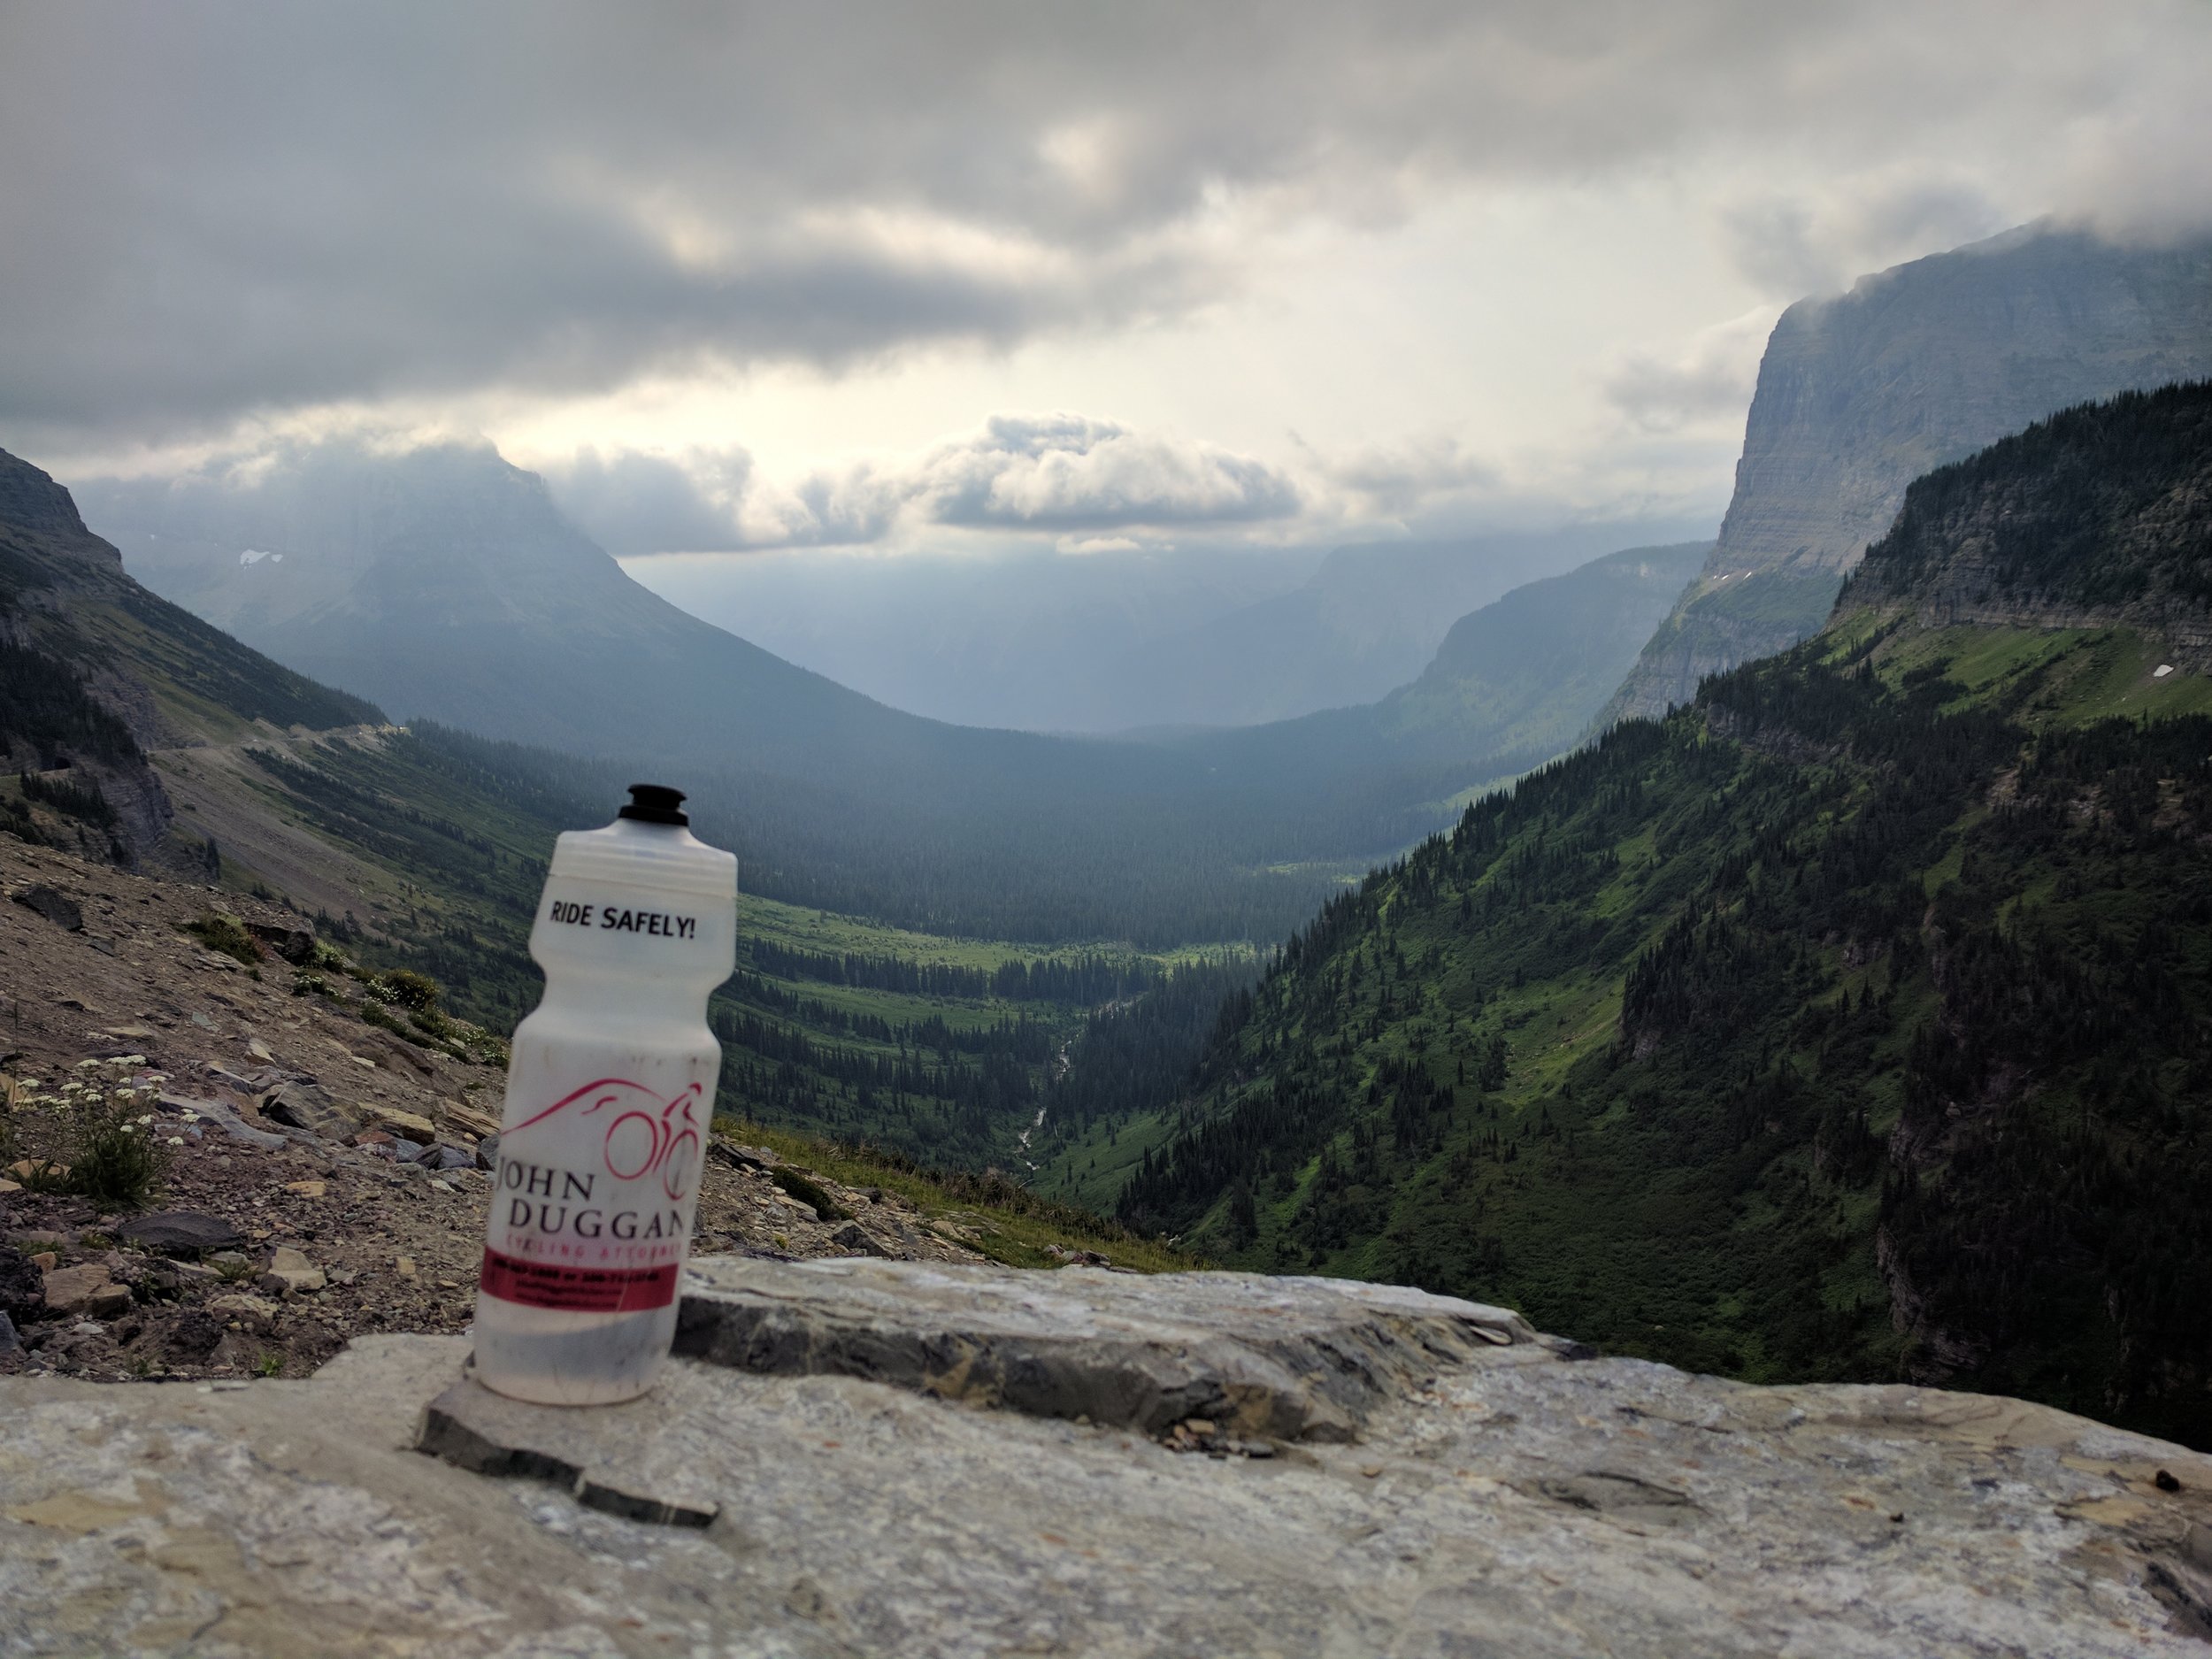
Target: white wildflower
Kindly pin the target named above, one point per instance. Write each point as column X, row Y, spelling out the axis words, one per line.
column 148, row 1118
column 87, row 1065
column 176, row 1141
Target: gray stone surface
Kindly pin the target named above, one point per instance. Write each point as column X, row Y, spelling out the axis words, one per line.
column 55, row 905
column 180, row 1233
column 223, row 1115
column 309, row 1106
column 1518, row 1505
column 1283, row 1358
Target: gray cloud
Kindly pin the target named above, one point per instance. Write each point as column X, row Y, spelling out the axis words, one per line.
column 1793, row 246
column 1711, row 376
column 632, row 502
column 216, row 210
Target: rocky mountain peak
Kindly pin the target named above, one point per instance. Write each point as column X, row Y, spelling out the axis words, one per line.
column 32, row 501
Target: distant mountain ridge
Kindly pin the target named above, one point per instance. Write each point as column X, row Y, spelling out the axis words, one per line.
column 1365, row 623
column 446, row 583
column 1512, row 684
column 1860, row 393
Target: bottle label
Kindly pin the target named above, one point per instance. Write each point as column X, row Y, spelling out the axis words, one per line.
column 593, row 1208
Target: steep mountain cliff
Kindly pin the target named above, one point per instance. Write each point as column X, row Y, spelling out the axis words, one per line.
column 1913, row 367
column 95, row 671
column 1855, row 1021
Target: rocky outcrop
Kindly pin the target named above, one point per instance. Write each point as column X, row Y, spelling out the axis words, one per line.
column 1919, row 366
column 1505, row 1499
column 2100, row 517
column 1281, row 1358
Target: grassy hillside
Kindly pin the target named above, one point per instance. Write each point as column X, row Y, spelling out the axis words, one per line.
column 1855, row 1022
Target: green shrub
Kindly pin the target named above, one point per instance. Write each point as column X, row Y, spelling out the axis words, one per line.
column 117, row 1160
column 45, row 1176
column 309, row 985
column 416, row 992
column 384, row 1019
column 826, row 1208
column 218, row 930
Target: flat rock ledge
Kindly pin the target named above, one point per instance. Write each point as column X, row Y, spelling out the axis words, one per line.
column 1289, row 1359
column 862, row 1462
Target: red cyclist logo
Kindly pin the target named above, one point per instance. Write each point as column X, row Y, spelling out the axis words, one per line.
column 644, row 1133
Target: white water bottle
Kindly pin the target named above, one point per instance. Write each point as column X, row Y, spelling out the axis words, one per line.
column 609, row 1098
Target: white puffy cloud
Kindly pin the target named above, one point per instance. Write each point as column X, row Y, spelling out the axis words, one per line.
column 1060, row 473
column 1072, row 472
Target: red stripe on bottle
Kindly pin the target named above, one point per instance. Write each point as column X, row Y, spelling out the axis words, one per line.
column 577, row 1289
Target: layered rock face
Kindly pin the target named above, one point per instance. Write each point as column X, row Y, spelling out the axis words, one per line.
column 2101, row 517
column 1384, row 1472
column 1915, row 367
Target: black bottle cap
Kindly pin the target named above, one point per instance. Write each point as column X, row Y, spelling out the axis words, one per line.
column 655, row 803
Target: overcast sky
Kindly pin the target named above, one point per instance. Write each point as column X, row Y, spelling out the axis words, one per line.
column 943, row 274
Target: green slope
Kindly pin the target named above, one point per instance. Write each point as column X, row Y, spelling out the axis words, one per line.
column 1855, row 1022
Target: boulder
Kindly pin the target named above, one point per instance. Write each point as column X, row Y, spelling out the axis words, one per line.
column 853, row 1240
column 243, row 1306
column 192, row 1336
column 488, row 1152
column 458, row 1114
column 184, row 1233
column 309, row 1106
column 55, row 905
column 224, row 1117
column 74, row 1290
column 290, row 1273
column 295, row 945
column 22, row 1285
column 110, row 1300
column 403, row 1125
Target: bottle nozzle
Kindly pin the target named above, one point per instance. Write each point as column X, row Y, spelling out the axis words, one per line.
column 655, row 803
